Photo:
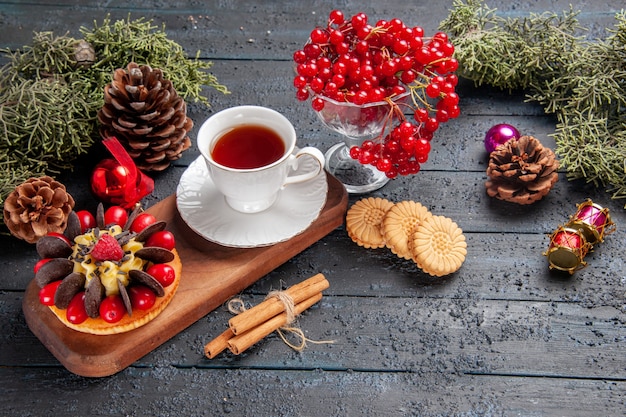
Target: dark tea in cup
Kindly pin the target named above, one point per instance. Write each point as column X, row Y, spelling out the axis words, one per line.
column 248, row 147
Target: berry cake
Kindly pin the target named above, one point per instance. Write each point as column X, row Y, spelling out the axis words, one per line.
column 108, row 273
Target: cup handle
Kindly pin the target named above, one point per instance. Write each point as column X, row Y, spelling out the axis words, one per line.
column 314, row 153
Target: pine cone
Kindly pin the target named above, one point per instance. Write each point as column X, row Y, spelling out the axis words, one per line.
column 37, row 207
column 84, row 54
column 146, row 114
column 521, row 171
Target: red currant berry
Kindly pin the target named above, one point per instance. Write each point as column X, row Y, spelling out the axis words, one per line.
column 421, row 115
column 362, row 47
column 400, row 47
column 423, row 56
column 431, row 124
column 299, row 57
column 335, row 37
column 397, row 90
column 408, row 143
column 392, row 147
column 317, row 104
column 360, row 97
column 451, row 65
column 336, row 17
column 383, row 164
column 319, row 35
column 452, row 79
column 377, row 94
column 433, row 90
column 339, row 80
column 367, row 71
column 416, row 41
column 299, row 81
column 404, row 169
column 366, row 157
column 324, row 62
column 324, row 74
column 359, row 20
column 330, row 89
column 395, row 25
column 364, row 32
column 406, row 129
column 389, row 68
column 340, row 68
column 454, row 112
column 442, row 116
column 309, row 69
column 317, row 85
column 408, row 76
column 302, row 94
column 441, row 36
column 312, row 50
column 414, row 167
column 391, row 173
column 447, row 48
column 422, row 147
column 451, row 99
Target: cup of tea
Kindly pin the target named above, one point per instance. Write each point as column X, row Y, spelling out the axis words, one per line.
column 250, row 153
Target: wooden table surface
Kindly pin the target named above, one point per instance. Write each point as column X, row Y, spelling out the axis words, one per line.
column 503, row 336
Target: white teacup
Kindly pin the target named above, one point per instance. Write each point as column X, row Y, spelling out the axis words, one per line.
column 251, row 190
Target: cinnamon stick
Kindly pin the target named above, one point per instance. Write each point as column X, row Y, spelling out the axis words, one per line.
column 243, row 341
column 218, row 345
column 271, row 307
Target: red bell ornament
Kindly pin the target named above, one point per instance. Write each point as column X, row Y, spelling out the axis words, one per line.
column 117, row 180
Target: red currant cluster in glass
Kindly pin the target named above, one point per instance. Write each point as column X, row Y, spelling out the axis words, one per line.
column 352, row 61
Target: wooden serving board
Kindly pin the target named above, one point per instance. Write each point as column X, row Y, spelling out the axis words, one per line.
column 211, row 275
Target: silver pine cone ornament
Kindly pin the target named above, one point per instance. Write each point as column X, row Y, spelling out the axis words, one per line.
column 145, row 113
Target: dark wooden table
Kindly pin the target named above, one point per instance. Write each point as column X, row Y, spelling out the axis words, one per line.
column 503, row 336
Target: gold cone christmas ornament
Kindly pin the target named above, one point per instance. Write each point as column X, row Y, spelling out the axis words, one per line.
column 37, row 207
column 521, row 171
column 145, row 113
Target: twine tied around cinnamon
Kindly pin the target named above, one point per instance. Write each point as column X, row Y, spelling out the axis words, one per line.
column 276, row 313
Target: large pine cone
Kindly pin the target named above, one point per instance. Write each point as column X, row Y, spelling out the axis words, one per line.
column 37, row 207
column 521, row 171
column 146, row 114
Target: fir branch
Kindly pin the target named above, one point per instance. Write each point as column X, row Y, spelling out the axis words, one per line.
column 124, row 41
column 49, row 103
column 582, row 82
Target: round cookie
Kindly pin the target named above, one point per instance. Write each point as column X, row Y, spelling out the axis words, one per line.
column 439, row 246
column 364, row 221
column 399, row 224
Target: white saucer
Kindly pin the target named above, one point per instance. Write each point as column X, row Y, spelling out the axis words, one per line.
column 205, row 211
